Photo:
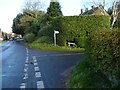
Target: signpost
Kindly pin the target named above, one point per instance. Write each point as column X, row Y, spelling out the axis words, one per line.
column 55, row 32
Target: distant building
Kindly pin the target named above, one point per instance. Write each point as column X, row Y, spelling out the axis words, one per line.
column 95, row 11
column 1, row 35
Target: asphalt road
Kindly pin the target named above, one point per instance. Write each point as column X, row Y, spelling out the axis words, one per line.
column 23, row 67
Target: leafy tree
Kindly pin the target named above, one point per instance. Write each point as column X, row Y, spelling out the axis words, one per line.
column 16, row 27
column 31, row 20
column 28, row 22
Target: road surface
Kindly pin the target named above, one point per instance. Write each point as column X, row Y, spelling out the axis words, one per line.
column 23, row 67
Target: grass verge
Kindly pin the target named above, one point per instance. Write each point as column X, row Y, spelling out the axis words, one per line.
column 85, row 76
column 44, row 46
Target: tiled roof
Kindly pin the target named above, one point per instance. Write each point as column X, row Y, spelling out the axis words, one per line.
column 91, row 11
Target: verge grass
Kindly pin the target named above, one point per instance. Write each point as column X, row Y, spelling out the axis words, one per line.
column 85, row 76
column 45, row 46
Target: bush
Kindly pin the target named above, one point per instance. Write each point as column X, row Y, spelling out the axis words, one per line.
column 80, row 41
column 103, row 49
column 71, row 27
column 30, row 37
column 45, row 39
column 46, row 31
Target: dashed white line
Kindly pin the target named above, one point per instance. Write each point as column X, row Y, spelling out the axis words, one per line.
column 35, row 61
column 26, row 65
column 40, row 85
column 25, row 69
column 37, row 74
column 22, row 86
column 35, row 64
column 26, row 76
column 36, row 68
column 26, row 61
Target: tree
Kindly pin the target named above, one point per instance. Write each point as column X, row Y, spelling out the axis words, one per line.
column 116, row 12
column 29, row 20
column 54, row 10
column 33, row 5
column 16, row 27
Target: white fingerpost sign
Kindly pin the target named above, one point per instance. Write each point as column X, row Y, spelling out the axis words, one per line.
column 55, row 32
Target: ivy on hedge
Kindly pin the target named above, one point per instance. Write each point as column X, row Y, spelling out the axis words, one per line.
column 73, row 27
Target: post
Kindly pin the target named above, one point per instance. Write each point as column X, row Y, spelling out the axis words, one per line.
column 55, row 32
column 54, row 38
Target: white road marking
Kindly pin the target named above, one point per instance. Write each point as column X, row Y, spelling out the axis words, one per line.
column 38, row 74
column 35, row 61
column 26, row 76
column 40, row 85
column 26, row 65
column 35, row 64
column 25, row 69
column 36, row 68
column 22, row 85
column 26, row 61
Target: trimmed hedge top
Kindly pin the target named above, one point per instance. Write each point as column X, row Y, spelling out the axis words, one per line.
column 71, row 27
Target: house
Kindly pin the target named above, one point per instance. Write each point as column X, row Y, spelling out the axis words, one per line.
column 95, row 11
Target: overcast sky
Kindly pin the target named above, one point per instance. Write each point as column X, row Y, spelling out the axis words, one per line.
column 10, row 8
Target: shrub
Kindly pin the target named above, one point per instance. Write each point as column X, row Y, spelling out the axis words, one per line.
column 84, row 75
column 80, row 41
column 30, row 37
column 46, row 31
column 103, row 49
column 45, row 39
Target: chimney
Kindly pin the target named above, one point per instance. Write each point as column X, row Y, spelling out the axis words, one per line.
column 92, row 6
column 86, row 9
column 81, row 11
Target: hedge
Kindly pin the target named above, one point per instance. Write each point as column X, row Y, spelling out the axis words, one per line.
column 71, row 27
column 103, row 49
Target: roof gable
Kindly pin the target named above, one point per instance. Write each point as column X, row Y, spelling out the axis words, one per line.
column 97, row 11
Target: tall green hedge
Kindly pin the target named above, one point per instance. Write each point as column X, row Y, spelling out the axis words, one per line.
column 103, row 49
column 71, row 27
